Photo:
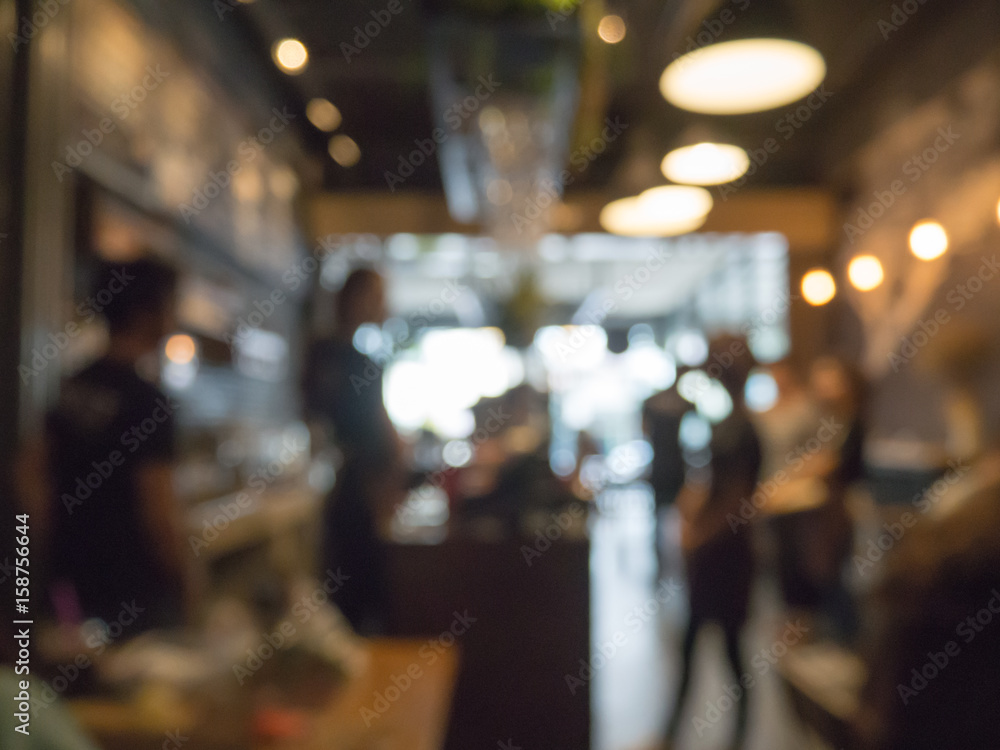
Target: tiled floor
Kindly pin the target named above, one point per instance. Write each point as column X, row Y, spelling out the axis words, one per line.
column 633, row 689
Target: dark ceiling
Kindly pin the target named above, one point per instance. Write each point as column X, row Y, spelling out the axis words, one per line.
column 383, row 90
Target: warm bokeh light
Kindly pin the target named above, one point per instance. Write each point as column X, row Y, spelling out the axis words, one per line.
column 611, row 29
column 750, row 75
column 323, row 114
column 865, row 272
column 998, row 211
column 928, row 240
column 344, row 150
column 290, row 55
column 705, row 164
column 180, row 348
column 818, row 287
column 658, row 212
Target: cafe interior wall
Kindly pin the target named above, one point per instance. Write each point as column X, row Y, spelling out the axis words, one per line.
column 204, row 99
column 927, row 124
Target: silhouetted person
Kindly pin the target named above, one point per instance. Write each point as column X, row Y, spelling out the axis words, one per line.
column 720, row 559
column 343, row 391
column 661, row 422
column 105, row 505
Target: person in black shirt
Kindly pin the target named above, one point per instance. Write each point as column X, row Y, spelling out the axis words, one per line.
column 662, row 414
column 343, row 396
column 107, row 511
column 719, row 558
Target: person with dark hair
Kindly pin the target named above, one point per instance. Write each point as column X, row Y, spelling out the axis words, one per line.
column 343, row 396
column 662, row 414
column 720, row 558
column 106, row 510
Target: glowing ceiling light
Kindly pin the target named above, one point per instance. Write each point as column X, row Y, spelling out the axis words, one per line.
column 611, row 29
column 180, row 349
column 344, row 150
column 290, row 55
column 865, row 272
column 818, row 287
column 705, row 164
column 658, row 212
column 928, row 240
column 323, row 114
column 750, row 75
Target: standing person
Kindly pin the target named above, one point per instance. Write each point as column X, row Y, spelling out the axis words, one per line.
column 720, row 559
column 839, row 388
column 99, row 485
column 661, row 422
column 343, row 394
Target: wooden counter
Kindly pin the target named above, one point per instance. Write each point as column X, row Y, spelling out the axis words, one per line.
column 415, row 720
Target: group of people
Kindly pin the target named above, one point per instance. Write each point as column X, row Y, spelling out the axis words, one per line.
column 775, row 498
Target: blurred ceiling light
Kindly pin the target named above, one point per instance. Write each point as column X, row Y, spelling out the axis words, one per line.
column 658, row 212
column 290, row 55
column 818, row 287
column 928, row 240
column 323, row 114
column 611, row 29
column 344, row 150
column 749, row 75
column 998, row 211
column 865, row 272
column 180, row 349
column 705, row 164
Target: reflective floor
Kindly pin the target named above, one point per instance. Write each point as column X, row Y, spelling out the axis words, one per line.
column 639, row 624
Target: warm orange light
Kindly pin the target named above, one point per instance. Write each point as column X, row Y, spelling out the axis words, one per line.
column 323, row 114
column 928, row 240
column 611, row 29
column 180, row 348
column 818, row 287
column 290, row 55
column 865, row 272
column 344, row 150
